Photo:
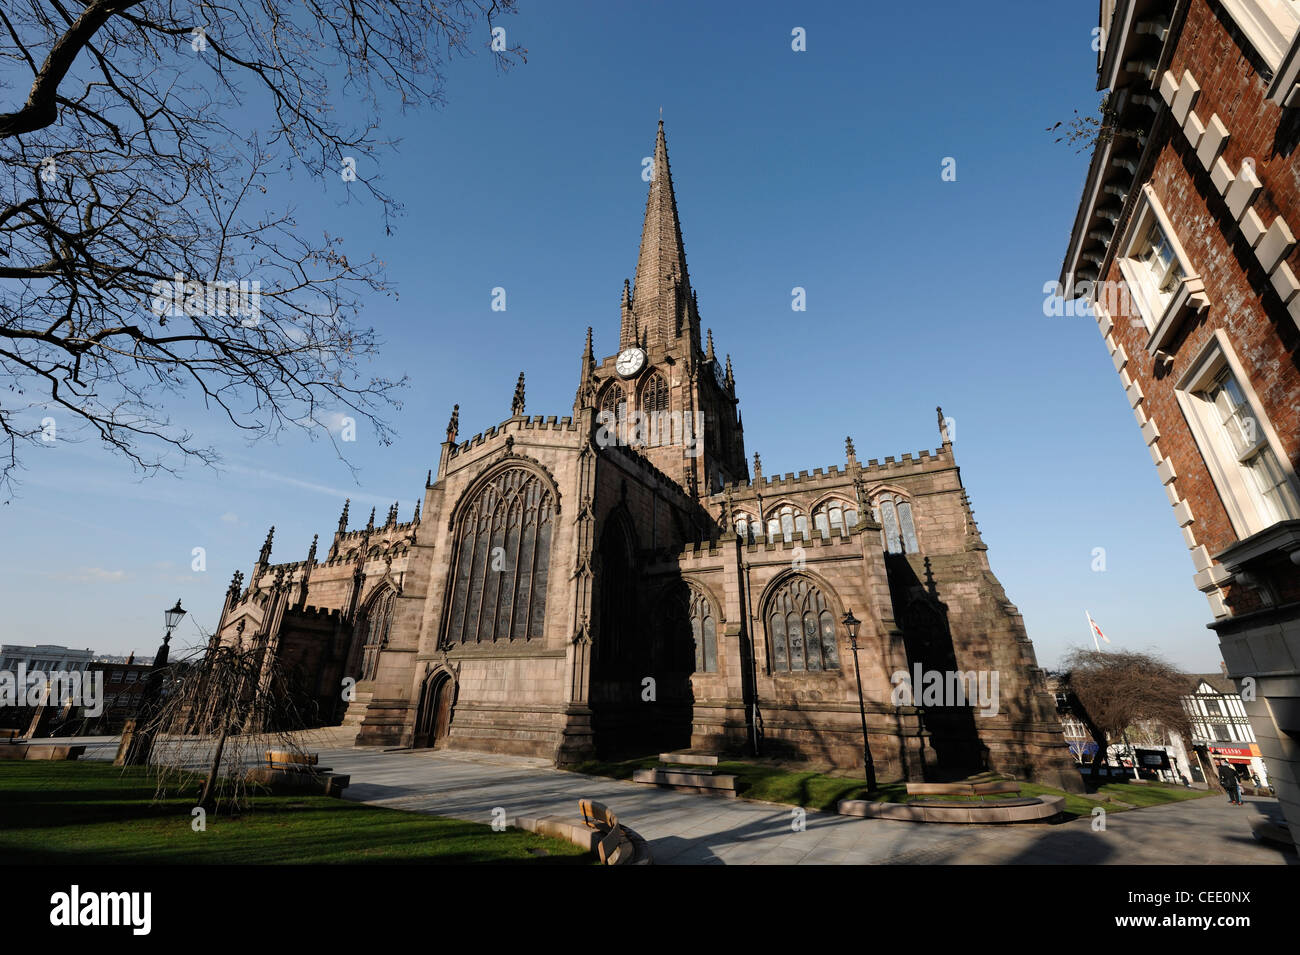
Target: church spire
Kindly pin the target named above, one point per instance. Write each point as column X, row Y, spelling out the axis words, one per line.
column 661, row 294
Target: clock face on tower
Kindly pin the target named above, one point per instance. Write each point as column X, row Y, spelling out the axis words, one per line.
column 629, row 362
column 720, row 374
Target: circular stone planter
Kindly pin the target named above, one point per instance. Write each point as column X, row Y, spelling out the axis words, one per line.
column 1037, row 809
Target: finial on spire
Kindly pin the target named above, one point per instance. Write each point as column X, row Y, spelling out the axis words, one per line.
column 311, row 551
column 416, row 519
column 265, row 556
column 392, row 515
column 943, row 425
column 849, row 450
column 758, row 467
column 517, row 405
column 370, row 524
column 453, row 428
column 343, row 518
column 709, row 354
column 428, row 478
column 731, row 378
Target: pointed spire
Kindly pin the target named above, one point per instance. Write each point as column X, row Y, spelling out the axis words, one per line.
column 758, row 467
column 311, row 551
column 265, row 556
column 453, row 428
column 370, row 524
column 428, row 478
column 586, row 394
column 661, row 274
column 416, row 519
column 392, row 515
column 627, row 295
column 236, row 585
column 731, row 378
column 709, row 353
column 517, row 404
column 343, row 518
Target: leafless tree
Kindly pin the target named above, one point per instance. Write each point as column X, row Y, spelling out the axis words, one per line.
column 220, row 709
column 144, row 256
column 1084, row 131
column 1113, row 691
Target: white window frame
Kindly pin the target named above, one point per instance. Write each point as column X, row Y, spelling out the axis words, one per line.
column 1154, row 309
column 1270, row 26
column 1242, row 500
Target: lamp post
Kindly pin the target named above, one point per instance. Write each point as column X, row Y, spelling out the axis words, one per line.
column 137, row 738
column 851, row 625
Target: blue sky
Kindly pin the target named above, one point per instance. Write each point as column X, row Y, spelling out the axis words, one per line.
column 818, row 169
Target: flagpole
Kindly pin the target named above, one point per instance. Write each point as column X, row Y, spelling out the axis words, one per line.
column 1093, row 630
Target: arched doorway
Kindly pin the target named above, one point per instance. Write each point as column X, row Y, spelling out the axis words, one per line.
column 433, row 719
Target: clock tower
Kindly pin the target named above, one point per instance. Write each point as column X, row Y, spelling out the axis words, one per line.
column 666, row 393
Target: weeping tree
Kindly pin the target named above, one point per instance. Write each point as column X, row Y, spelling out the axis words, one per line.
column 1117, row 692
column 219, row 710
column 145, row 256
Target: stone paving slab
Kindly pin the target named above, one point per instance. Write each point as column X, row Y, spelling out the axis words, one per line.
column 684, row 828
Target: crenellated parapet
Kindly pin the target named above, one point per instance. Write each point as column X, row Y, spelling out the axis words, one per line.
column 513, row 425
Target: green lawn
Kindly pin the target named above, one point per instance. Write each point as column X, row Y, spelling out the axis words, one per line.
column 816, row 790
column 75, row 812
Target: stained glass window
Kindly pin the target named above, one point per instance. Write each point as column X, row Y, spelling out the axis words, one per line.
column 378, row 623
column 502, row 555
column 704, row 630
column 896, row 525
column 801, row 628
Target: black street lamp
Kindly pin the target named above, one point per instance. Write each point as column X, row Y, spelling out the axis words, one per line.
column 851, row 625
column 139, row 741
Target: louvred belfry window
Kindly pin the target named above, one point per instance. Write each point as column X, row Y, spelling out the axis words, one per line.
column 654, row 397
column 613, row 403
column 503, row 549
column 801, row 628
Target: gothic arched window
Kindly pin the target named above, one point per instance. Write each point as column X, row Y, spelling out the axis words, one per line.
column 376, row 625
column 896, row 525
column 613, row 403
column 801, row 628
column 704, row 630
column 654, row 396
column 503, row 551
column 748, row 528
column 786, row 522
column 835, row 517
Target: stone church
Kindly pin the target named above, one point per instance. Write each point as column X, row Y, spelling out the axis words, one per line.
column 619, row 581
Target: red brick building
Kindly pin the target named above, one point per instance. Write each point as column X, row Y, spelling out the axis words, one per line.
column 1185, row 245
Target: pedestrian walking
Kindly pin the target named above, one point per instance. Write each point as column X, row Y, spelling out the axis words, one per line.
column 1228, row 779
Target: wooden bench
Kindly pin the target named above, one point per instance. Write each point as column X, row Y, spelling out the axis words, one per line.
column 294, row 762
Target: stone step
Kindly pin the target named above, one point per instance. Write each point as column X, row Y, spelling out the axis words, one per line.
column 724, row 783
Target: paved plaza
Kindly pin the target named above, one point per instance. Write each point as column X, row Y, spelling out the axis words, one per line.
column 693, row 829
